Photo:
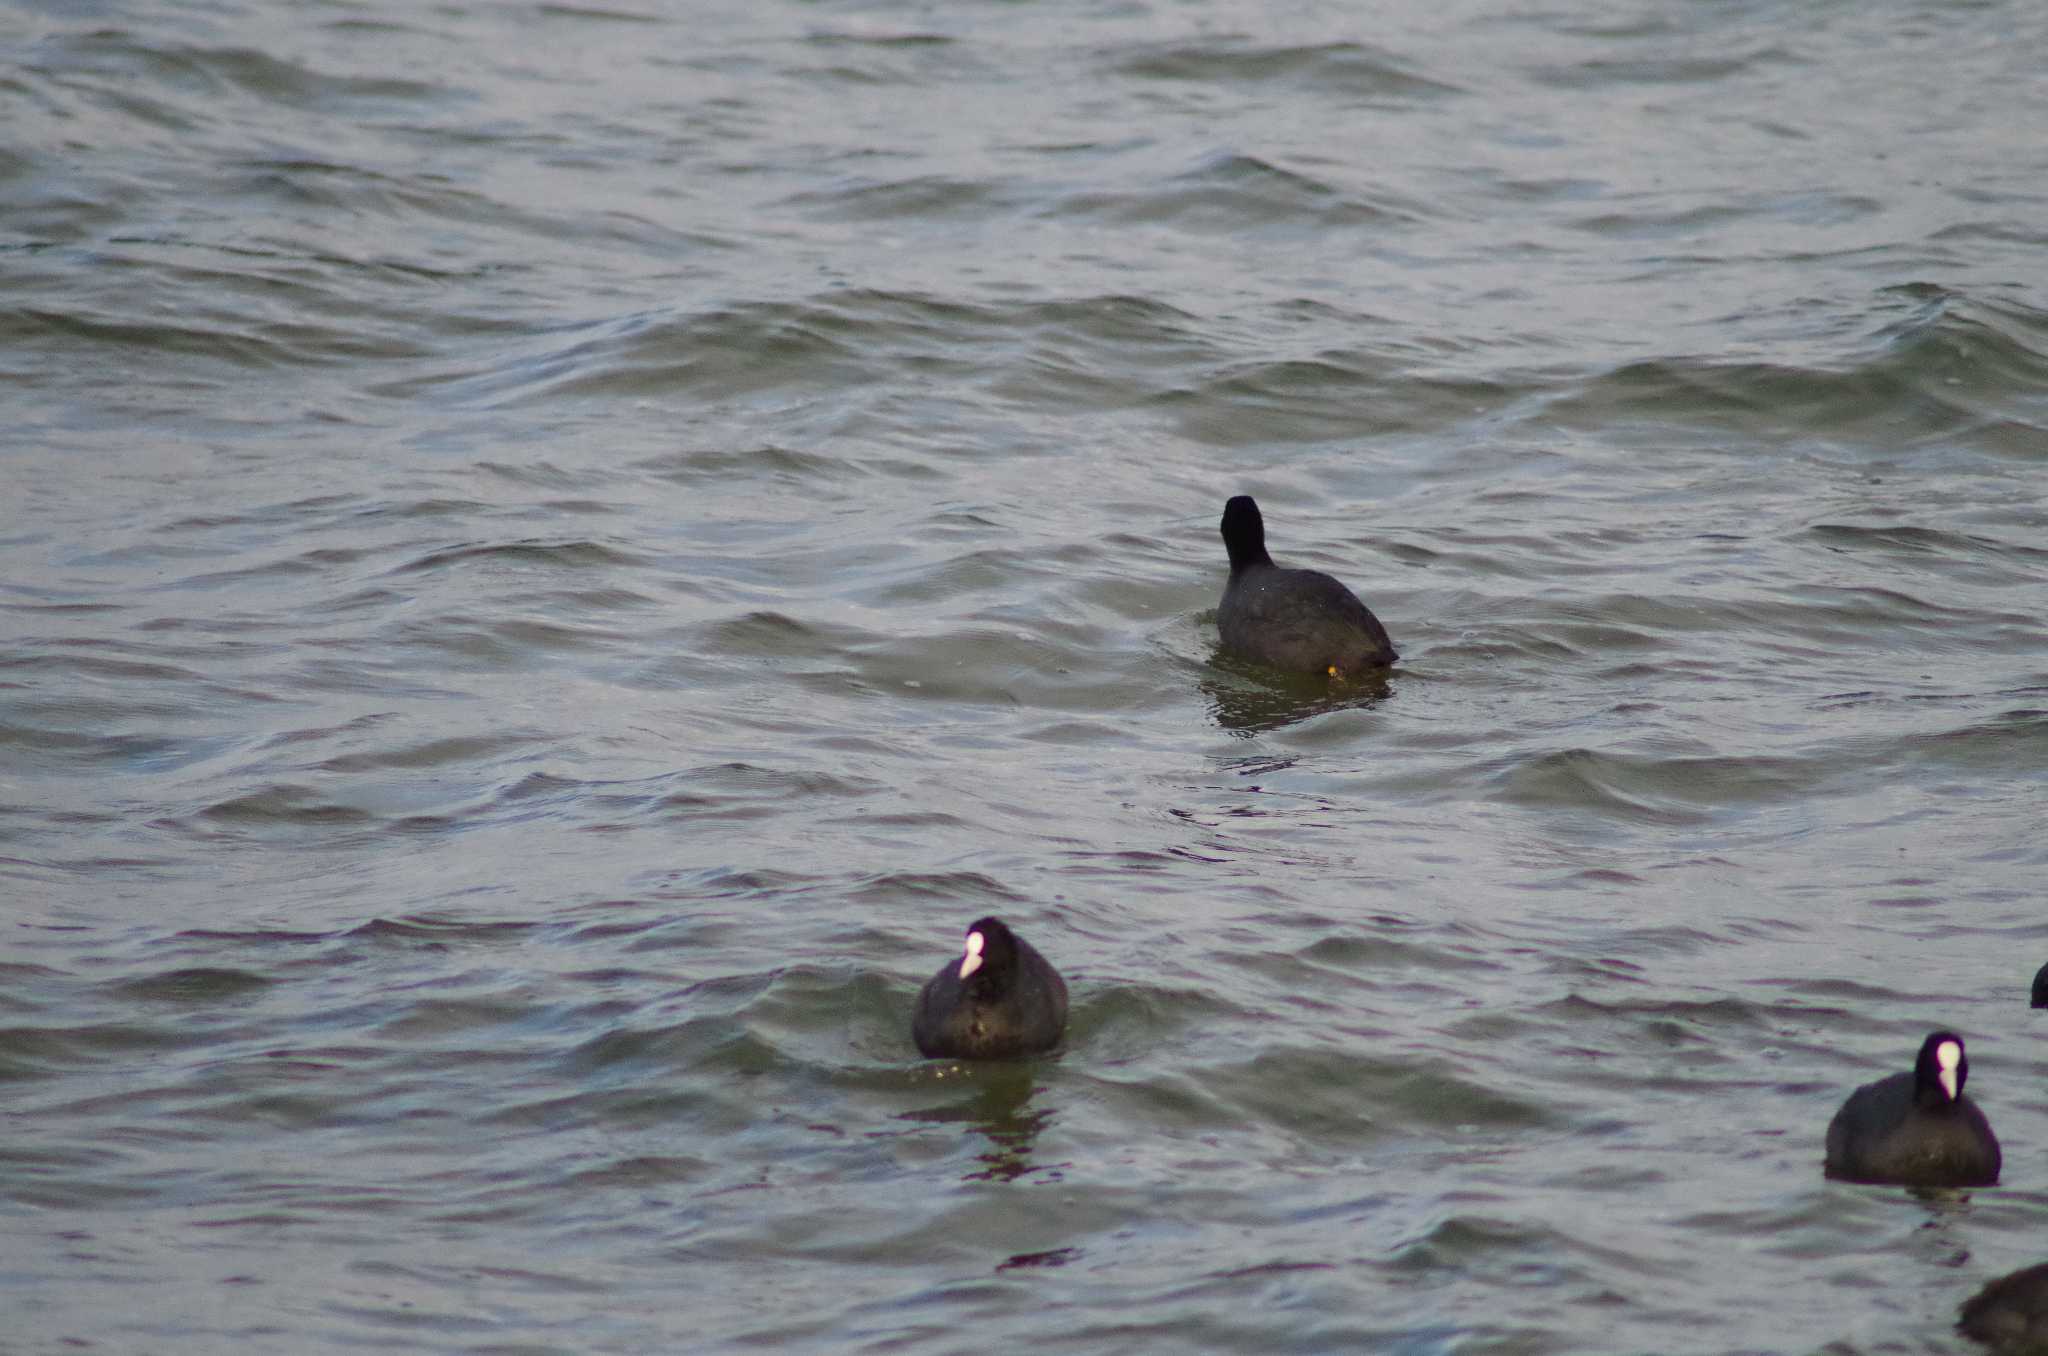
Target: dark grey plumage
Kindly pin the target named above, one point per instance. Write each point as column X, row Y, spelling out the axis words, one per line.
column 2041, row 987
column 1303, row 621
column 2010, row 1313
column 1916, row 1129
column 1011, row 1002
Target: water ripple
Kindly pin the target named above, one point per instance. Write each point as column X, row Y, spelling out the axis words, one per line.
column 557, row 556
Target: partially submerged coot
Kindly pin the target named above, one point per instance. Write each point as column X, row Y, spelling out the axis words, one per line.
column 1000, row 1000
column 1916, row 1129
column 1303, row 621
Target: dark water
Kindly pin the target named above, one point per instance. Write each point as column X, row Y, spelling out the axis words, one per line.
column 554, row 556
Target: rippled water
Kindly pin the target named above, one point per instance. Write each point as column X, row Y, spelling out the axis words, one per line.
column 555, row 556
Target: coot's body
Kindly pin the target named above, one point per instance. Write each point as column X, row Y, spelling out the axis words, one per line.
column 1916, row 1129
column 1302, row 621
column 1000, row 1000
column 2010, row 1313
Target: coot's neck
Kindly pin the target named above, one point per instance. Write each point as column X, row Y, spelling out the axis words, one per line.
column 1931, row 1096
column 1244, row 535
column 1245, row 555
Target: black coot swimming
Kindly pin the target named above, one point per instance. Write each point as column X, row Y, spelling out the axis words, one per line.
column 1303, row 621
column 2041, row 987
column 1000, row 1000
column 1916, row 1129
column 2010, row 1313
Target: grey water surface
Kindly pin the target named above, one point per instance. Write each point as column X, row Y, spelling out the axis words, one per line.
column 553, row 556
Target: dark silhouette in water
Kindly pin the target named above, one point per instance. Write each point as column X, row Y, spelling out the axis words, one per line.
column 2041, row 987
column 1916, row 1129
column 1000, row 1000
column 2010, row 1313
column 1303, row 621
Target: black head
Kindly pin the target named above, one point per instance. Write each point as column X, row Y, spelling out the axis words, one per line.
column 1939, row 1072
column 1244, row 533
column 2041, row 987
column 991, row 955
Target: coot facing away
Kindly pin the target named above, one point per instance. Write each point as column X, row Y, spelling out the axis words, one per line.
column 1303, row 621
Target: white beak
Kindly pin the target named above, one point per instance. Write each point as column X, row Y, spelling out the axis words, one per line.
column 972, row 960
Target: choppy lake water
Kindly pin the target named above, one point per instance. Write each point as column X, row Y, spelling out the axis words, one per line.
column 555, row 555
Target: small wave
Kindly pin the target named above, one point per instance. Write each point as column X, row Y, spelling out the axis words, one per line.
column 429, row 753
column 925, row 198
column 1652, row 790
column 1971, row 558
column 785, row 466
column 215, row 71
column 725, row 354
column 199, row 984
column 1360, row 74
column 441, row 930
column 463, row 640
column 1664, row 69
column 1238, row 193
column 1999, row 746
column 641, row 1172
column 565, row 555
column 285, row 804
column 776, row 635
column 1956, row 368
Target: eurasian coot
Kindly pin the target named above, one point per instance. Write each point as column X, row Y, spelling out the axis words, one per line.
column 1303, row 621
column 2010, row 1313
column 1916, row 1129
column 1000, row 1000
